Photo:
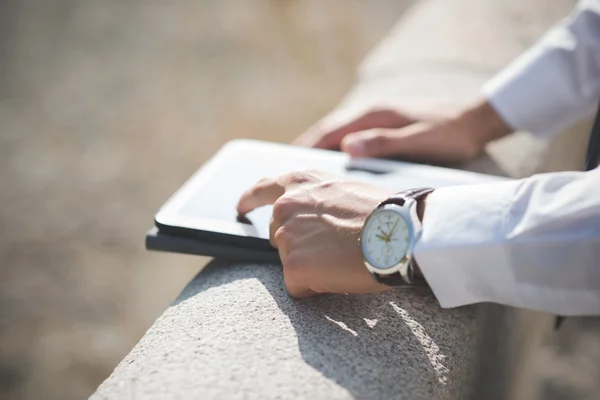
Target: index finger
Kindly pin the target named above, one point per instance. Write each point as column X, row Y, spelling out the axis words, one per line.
column 265, row 192
column 321, row 137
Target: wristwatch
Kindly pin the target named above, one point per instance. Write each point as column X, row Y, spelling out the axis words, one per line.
column 389, row 236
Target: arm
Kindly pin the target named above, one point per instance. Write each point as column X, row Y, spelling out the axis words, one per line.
column 539, row 237
column 533, row 243
column 554, row 84
column 557, row 81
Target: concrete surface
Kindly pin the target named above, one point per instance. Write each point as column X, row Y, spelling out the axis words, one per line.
column 234, row 333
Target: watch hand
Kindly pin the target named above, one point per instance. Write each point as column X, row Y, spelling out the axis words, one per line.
column 393, row 228
column 381, row 237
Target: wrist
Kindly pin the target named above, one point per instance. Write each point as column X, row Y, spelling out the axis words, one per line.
column 421, row 204
column 482, row 123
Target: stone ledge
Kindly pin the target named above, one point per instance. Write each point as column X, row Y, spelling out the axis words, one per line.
column 235, row 333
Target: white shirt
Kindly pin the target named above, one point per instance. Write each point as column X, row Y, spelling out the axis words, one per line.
column 531, row 243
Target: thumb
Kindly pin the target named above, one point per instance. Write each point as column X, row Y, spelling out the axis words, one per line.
column 373, row 143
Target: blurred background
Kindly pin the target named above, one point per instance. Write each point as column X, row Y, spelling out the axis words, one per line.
column 106, row 107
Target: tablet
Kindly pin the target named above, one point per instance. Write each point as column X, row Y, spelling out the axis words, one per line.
column 203, row 211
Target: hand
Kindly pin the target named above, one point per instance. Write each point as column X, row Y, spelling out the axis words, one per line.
column 316, row 222
column 434, row 138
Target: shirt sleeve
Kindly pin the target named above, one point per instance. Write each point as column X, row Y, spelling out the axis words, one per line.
column 531, row 243
column 556, row 82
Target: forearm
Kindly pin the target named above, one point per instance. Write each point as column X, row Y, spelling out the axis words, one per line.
column 533, row 243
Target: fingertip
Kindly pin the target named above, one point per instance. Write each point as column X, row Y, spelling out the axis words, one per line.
column 354, row 146
column 240, row 211
column 243, row 206
column 243, row 209
column 300, row 293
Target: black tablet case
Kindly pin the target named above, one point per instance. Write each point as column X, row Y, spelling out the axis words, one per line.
column 160, row 241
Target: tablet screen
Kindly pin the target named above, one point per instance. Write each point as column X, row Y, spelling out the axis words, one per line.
column 208, row 200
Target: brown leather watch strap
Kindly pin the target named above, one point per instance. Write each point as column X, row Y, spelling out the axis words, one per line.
column 391, row 280
column 397, row 280
column 399, row 198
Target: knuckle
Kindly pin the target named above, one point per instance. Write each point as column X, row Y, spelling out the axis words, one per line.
column 328, row 185
column 326, row 132
column 303, row 176
column 384, row 115
column 299, row 177
column 264, row 182
column 378, row 140
column 377, row 110
column 282, row 235
column 273, row 227
column 283, row 207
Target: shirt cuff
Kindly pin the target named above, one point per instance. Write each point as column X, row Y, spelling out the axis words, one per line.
column 461, row 232
column 526, row 96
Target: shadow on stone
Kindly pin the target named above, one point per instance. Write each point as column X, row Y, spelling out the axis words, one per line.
column 374, row 346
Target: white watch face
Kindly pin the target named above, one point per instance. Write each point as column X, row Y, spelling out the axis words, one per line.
column 385, row 239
